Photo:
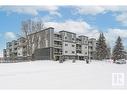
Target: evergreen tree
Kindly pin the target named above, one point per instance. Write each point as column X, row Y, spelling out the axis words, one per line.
column 101, row 48
column 118, row 51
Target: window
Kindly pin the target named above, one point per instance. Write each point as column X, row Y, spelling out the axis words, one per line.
column 65, row 51
column 15, row 43
column 86, row 47
column 78, row 51
column 73, row 52
column 72, row 38
column 90, row 42
column 66, row 44
column 65, row 37
column 15, row 48
column 73, row 45
column 85, row 52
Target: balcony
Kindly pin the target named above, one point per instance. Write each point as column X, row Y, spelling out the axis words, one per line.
column 22, row 44
column 9, row 46
column 78, row 48
column 57, row 46
column 77, row 42
column 57, row 38
column 15, row 50
column 90, row 43
column 57, row 53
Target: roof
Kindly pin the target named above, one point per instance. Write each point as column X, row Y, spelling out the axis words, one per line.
column 83, row 36
column 41, row 30
column 67, row 32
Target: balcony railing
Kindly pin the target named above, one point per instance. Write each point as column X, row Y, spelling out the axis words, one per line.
column 57, row 38
column 57, row 53
column 57, row 46
column 78, row 48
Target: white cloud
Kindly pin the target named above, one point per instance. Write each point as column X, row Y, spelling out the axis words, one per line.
column 32, row 10
column 44, row 18
column 122, row 18
column 90, row 10
column 94, row 10
column 78, row 27
column 112, row 34
column 10, row 36
column 119, row 32
column 55, row 13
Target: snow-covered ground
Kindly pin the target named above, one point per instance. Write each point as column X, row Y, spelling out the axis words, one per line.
column 67, row 75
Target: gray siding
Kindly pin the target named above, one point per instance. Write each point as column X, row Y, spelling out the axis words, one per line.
column 43, row 54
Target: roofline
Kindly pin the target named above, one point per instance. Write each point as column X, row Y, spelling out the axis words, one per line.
column 41, row 30
column 83, row 36
column 92, row 38
column 67, row 32
column 20, row 38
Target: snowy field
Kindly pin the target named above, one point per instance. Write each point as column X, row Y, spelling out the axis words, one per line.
column 55, row 75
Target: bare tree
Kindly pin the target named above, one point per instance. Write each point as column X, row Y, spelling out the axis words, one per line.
column 38, row 25
column 30, row 29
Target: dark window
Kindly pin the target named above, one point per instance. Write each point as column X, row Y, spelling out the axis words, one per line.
column 24, row 47
column 15, row 43
column 15, row 48
column 66, row 44
column 65, row 37
column 73, row 45
column 73, row 52
column 65, row 51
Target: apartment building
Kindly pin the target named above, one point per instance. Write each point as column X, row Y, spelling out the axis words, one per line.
column 15, row 49
column 92, row 48
column 82, row 47
column 57, row 46
column 50, row 45
column 21, row 48
column 11, row 50
column 68, row 44
column 42, row 44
